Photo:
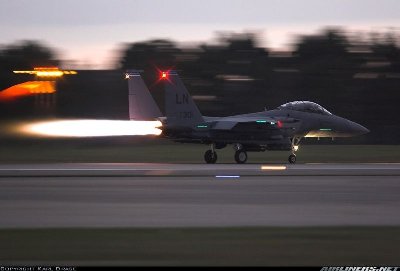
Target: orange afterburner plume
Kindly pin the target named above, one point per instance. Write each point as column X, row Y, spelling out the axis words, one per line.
column 28, row 88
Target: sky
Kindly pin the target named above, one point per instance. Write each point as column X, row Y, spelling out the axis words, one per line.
column 89, row 32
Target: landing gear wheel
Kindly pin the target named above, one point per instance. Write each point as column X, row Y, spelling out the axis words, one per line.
column 210, row 157
column 292, row 159
column 241, row 156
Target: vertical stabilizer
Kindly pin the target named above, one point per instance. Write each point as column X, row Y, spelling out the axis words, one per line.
column 141, row 104
column 180, row 109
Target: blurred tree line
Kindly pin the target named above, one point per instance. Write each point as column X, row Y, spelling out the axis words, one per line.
column 23, row 56
column 353, row 75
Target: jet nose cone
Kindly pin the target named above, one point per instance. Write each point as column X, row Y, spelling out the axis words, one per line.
column 365, row 130
column 358, row 129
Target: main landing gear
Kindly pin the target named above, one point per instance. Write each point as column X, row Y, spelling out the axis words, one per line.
column 295, row 146
column 240, row 153
column 210, row 156
column 240, row 156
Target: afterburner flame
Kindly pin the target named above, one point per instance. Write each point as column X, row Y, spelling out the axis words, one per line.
column 27, row 89
column 91, row 128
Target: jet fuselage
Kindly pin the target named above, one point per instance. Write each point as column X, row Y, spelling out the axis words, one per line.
column 265, row 128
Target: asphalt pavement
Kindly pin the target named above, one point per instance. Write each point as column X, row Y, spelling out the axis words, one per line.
column 187, row 195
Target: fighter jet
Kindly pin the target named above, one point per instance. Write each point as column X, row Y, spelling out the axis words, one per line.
column 280, row 129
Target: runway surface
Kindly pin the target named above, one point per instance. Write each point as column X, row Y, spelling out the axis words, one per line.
column 196, row 195
column 155, row 169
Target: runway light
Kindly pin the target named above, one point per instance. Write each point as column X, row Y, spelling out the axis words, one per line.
column 91, row 128
column 273, row 167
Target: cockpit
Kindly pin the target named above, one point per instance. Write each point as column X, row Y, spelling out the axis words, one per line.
column 305, row 106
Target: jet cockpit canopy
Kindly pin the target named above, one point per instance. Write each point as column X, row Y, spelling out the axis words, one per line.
column 305, row 106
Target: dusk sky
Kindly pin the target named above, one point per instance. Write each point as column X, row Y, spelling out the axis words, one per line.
column 90, row 31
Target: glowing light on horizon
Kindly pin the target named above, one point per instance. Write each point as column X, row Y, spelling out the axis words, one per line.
column 27, row 88
column 91, row 128
column 47, row 72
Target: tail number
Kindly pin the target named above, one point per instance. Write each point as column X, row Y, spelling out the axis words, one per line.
column 185, row 115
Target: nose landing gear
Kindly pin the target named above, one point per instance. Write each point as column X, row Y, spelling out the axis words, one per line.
column 292, row 158
column 295, row 146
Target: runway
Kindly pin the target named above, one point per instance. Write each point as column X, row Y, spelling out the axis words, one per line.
column 156, row 169
column 196, row 195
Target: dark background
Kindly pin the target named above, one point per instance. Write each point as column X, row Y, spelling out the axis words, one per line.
column 353, row 77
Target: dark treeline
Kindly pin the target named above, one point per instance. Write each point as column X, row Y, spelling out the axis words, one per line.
column 355, row 76
column 23, row 56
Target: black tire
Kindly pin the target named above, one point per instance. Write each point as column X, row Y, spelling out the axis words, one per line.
column 241, row 156
column 210, row 157
column 292, row 159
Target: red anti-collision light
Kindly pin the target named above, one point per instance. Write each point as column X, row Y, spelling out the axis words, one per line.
column 164, row 75
column 280, row 124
